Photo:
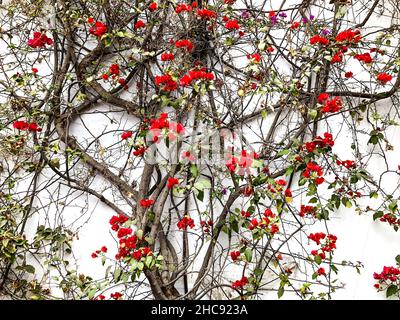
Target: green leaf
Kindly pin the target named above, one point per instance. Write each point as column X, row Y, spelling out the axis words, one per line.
column 194, row 171
column 281, row 290
column 391, row 290
column 30, row 269
column 377, row 215
column 117, row 274
column 258, row 272
column 248, row 254
column 92, row 293
column 398, row 259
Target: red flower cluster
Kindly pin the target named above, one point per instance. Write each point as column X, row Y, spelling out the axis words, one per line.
column 388, row 274
column 25, row 126
column 321, row 254
column 364, row 57
column 102, row 249
column 172, row 182
column 245, row 214
column 139, row 151
column 295, row 25
column 167, row 57
column 337, row 57
column 255, row 57
column 330, row 241
column 99, row 29
column 321, row 272
column 304, row 210
column 139, row 24
column 114, row 69
column 384, row 78
column 312, row 167
column 322, row 97
column 348, row 74
column 206, row 14
column 332, row 105
column 206, row 224
column 125, row 135
column 349, row 36
column 235, row 255
column 158, row 124
column 317, row 39
column 166, row 80
column 267, row 222
column 317, row 237
column 153, row 6
column 348, row 164
column 146, row 203
column 117, row 221
column 183, row 7
column 116, row 295
column 185, row 43
column 39, row 40
column 240, row 284
column 244, row 161
column 319, row 142
column 185, row 222
column 232, row 25
column 193, row 75
column 390, row 219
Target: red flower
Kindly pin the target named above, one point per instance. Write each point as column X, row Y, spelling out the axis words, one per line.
column 240, row 284
column 232, row 25
column 114, row 69
column 104, row 76
column 167, row 57
column 333, row 105
column 21, row 125
column 137, row 255
column 34, row 127
column 146, row 203
column 288, row 193
column 337, row 58
column 116, row 295
column 94, row 255
column 321, row 272
column 35, row 70
column 104, row 249
column 348, row 74
column 365, row 57
column 185, row 222
column 172, row 182
column 384, row 78
column 167, row 81
column 139, row 24
column 153, row 6
column 185, row 43
column 99, row 29
column 317, row 39
column 90, row 20
column 139, row 151
column 206, row 14
column 322, row 97
column 295, row 25
column 349, row 36
column 39, row 40
column 255, row 57
column 235, row 255
column 126, row 135
column 306, row 210
column 183, row 7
